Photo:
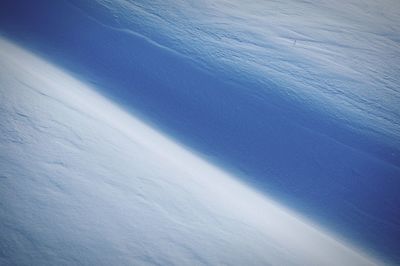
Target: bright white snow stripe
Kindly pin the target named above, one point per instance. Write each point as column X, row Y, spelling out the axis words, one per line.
column 87, row 182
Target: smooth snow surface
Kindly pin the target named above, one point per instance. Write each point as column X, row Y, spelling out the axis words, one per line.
column 83, row 182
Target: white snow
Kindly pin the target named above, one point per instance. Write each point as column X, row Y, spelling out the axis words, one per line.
column 84, row 182
column 339, row 57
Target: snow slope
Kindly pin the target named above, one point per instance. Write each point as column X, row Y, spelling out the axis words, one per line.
column 299, row 98
column 83, row 182
column 335, row 57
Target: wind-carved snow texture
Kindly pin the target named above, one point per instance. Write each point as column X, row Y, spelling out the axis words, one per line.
column 301, row 96
column 336, row 57
column 83, row 182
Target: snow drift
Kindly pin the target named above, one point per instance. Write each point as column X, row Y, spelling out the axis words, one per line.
column 298, row 98
column 83, row 182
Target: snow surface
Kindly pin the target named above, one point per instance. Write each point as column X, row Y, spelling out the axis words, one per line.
column 84, row 182
column 337, row 57
column 301, row 96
